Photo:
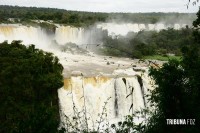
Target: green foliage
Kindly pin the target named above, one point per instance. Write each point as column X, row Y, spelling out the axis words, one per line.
column 49, row 27
column 76, row 18
column 177, row 93
column 162, row 58
column 29, row 79
column 169, row 95
column 149, row 43
column 128, row 125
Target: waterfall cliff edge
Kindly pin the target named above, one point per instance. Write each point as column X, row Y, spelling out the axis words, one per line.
column 114, row 97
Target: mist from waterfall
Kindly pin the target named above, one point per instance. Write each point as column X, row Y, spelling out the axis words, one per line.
column 125, row 88
column 82, row 36
column 42, row 39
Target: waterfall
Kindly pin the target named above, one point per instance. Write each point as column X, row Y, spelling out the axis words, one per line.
column 142, row 89
column 29, row 35
column 126, row 92
column 116, row 99
column 40, row 37
column 123, row 29
column 67, row 34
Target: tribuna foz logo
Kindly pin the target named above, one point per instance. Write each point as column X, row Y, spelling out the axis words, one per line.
column 180, row 121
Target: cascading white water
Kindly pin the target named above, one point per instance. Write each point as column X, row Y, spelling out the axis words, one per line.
column 126, row 95
column 41, row 38
column 65, row 34
column 123, row 29
column 29, row 35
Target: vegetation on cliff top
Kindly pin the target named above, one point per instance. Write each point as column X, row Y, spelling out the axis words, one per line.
column 15, row 14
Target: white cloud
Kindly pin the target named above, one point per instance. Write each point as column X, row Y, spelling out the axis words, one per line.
column 109, row 5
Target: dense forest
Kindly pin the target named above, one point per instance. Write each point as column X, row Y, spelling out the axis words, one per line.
column 15, row 14
column 177, row 92
column 29, row 79
column 147, row 43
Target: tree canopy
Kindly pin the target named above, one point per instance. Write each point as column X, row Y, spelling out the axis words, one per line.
column 145, row 43
column 77, row 18
column 29, row 79
column 177, row 93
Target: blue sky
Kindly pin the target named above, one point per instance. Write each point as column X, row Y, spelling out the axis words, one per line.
column 109, row 5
